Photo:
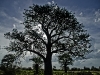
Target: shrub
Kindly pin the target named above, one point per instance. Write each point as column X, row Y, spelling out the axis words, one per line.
column 84, row 73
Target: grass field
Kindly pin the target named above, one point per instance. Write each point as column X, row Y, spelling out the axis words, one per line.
column 30, row 72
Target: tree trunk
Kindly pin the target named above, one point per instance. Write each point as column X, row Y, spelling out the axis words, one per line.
column 48, row 65
column 65, row 67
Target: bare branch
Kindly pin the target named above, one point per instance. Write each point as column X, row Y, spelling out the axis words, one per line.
column 36, row 53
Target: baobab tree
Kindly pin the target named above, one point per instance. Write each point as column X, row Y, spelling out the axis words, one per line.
column 49, row 29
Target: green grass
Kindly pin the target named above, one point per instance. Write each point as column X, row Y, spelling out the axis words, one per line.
column 31, row 72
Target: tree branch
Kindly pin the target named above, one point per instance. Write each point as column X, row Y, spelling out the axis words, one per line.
column 49, row 24
column 53, row 30
column 45, row 30
column 36, row 53
column 59, row 39
column 38, row 37
column 42, row 40
column 55, row 35
column 55, row 51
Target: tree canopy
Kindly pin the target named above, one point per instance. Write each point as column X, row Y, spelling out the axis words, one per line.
column 8, row 60
column 37, row 60
column 65, row 60
column 49, row 29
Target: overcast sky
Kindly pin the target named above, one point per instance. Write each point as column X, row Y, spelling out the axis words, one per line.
column 86, row 11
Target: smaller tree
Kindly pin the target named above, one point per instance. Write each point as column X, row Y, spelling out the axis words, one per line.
column 37, row 60
column 86, row 68
column 99, row 68
column 65, row 60
column 7, row 64
column 8, row 60
column 38, row 63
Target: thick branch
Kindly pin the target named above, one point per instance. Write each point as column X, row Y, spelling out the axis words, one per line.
column 53, row 30
column 37, row 53
column 49, row 24
column 38, row 37
column 42, row 40
column 45, row 30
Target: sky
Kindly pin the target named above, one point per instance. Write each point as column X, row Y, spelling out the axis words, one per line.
column 86, row 12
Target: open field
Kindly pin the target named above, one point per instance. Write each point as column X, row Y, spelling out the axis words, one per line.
column 30, row 72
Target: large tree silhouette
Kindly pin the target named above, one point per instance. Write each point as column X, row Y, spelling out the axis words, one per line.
column 49, row 29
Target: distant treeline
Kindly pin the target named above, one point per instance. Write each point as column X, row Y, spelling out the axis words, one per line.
column 68, row 69
column 92, row 68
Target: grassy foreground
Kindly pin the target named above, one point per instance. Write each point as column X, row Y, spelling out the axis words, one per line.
column 30, row 72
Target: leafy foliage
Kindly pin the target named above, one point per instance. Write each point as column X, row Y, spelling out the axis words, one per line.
column 37, row 60
column 49, row 29
column 61, row 30
column 65, row 60
column 8, row 60
column 7, row 65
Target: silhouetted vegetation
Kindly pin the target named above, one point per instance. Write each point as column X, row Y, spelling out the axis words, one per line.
column 7, row 66
column 65, row 59
column 49, row 29
column 30, row 71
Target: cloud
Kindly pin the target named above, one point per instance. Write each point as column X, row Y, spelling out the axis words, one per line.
column 54, row 58
column 97, row 13
column 81, row 14
column 3, row 42
column 26, row 64
column 56, row 64
column 49, row 3
column 93, row 28
column 14, row 26
column 3, row 14
column 86, row 62
column 8, row 21
column 53, row 2
column 97, row 16
column 17, row 20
